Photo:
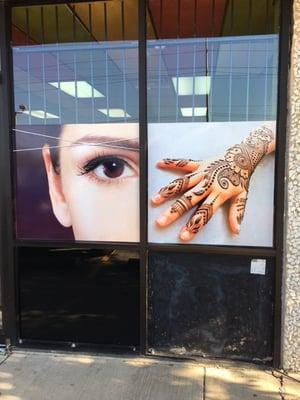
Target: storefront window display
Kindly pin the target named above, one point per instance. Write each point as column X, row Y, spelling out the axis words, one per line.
column 144, row 146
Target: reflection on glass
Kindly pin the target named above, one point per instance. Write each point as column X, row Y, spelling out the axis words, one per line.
column 76, row 83
column 213, row 79
column 86, row 296
column 212, row 60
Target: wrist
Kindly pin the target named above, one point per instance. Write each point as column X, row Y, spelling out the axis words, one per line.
column 244, row 157
column 260, row 140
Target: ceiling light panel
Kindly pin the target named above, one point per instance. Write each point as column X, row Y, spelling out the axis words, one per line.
column 189, row 85
column 79, row 89
column 114, row 112
column 40, row 114
column 198, row 111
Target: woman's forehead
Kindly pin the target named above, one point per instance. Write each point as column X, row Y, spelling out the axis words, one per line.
column 75, row 132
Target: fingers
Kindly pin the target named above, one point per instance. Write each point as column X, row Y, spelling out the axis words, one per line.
column 201, row 216
column 179, row 164
column 237, row 211
column 183, row 204
column 176, row 187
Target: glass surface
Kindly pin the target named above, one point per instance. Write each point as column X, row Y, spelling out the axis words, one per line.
column 212, row 79
column 79, row 295
column 211, row 306
column 76, row 134
column 212, row 103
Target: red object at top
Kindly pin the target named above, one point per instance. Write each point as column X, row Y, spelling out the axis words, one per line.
column 187, row 18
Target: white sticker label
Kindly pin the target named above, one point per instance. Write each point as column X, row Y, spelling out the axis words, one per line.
column 258, row 266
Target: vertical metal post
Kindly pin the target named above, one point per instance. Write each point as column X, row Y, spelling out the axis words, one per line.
column 7, row 267
column 279, row 200
column 143, row 176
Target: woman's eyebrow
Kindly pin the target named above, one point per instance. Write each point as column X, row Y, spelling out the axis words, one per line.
column 90, row 139
column 108, row 141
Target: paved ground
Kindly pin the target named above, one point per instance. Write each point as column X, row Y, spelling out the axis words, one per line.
column 48, row 376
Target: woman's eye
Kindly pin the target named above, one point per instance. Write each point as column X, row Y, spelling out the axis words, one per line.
column 113, row 168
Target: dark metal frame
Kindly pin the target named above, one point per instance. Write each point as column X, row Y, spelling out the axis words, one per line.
column 8, row 262
column 279, row 198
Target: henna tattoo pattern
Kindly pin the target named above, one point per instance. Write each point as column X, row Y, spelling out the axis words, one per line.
column 260, row 139
column 235, row 168
column 239, row 162
column 177, row 186
column 201, row 216
column 240, row 204
column 220, row 170
column 178, row 162
column 182, row 205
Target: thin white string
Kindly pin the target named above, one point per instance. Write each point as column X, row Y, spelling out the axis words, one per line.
column 108, row 143
column 69, row 141
column 103, row 144
column 39, row 134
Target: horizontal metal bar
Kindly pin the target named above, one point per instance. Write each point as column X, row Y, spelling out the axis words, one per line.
column 73, row 245
column 230, row 250
column 47, row 345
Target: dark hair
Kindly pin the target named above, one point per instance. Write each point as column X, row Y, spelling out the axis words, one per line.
column 54, row 151
column 54, row 154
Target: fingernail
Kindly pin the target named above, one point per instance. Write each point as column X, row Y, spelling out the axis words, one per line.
column 185, row 235
column 156, row 198
column 162, row 220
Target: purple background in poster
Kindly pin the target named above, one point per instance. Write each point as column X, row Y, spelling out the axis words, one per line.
column 33, row 210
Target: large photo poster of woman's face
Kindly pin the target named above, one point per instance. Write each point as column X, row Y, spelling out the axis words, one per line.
column 211, row 183
column 77, row 182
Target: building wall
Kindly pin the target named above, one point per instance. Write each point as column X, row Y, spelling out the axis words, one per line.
column 291, row 277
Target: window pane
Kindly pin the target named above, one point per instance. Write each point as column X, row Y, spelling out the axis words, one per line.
column 211, row 306
column 212, row 96
column 76, row 134
column 79, row 295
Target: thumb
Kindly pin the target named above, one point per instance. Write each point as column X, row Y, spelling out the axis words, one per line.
column 237, row 211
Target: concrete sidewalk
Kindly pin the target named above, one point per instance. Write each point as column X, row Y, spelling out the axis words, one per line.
column 49, row 376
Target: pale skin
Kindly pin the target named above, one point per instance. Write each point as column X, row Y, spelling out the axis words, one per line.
column 94, row 189
column 208, row 184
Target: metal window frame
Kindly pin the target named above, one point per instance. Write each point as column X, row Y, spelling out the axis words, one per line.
column 8, row 244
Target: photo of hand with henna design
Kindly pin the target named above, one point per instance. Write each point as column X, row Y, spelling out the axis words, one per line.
column 208, row 184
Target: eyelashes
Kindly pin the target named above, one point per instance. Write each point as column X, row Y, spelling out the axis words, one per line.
column 108, row 168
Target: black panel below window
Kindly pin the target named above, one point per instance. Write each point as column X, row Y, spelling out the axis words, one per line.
column 210, row 305
column 82, row 296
